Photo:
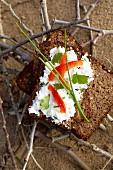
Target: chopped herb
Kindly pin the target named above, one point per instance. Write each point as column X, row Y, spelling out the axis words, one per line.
column 80, row 79
column 58, row 86
column 55, row 117
column 44, row 103
column 63, row 97
column 82, row 89
column 42, row 83
column 56, row 106
column 57, row 57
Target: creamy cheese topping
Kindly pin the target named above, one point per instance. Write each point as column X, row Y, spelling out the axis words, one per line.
column 53, row 111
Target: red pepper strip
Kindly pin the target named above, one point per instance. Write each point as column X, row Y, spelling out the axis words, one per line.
column 57, row 98
column 66, row 82
column 63, row 68
column 63, row 59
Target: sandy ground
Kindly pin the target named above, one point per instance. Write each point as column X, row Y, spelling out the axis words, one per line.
column 29, row 12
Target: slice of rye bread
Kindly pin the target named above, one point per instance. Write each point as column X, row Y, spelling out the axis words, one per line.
column 97, row 99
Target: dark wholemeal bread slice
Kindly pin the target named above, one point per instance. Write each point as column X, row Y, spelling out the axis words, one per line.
column 97, row 99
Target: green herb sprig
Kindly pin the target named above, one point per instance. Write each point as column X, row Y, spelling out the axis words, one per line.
column 72, row 90
column 58, row 76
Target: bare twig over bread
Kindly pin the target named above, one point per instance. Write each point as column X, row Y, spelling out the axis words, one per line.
column 41, row 34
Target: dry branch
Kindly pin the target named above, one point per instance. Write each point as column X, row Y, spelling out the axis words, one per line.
column 65, row 149
column 77, row 6
column 31, row 145
column 56, row 21
column 10, row 92
column 93, row 41
column 90, row 9
column 102, row 127
column 7, row 136
column 99, row 35
column 91, row 32
column 66, row 135
column 101, row 32
column 10, row 71
column 107, row 163
column 45, row 14
column 18, row 19
column 13, row 48
column 23, row 55
column 14, row 5
column 94, row 148
column 110, row 118
column 25, row 140
column 2, row 36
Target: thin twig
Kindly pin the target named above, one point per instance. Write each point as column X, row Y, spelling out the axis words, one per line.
column 23, row 112
column 22, row 1
column 88, row 22
column 1, row 24
column 14, row 5
column 110, row 118
column 10, row 92
column 44, row 33
column 7, row 136
column 93, row 41
column 2, row 36
column 21, row 116
column 102, row 127
column 65, row 149
column 18, row 19
column 31, row 145
column 45, row 14
column 99, row 35
column 77, row 6
column 42, row 18
column 43, row 22
column 54, row 139
column 28, row 148
column 101, row 32
column 56, row 21
column 91, row 32
column 94, row 148
column 10, row 71
column 90, row 9
column 23, row 55
column 107, row 163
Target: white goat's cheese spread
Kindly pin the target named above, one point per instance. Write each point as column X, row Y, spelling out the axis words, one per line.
column 53, row 110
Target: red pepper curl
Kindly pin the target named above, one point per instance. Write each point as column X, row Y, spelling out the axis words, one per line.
column 57, row 98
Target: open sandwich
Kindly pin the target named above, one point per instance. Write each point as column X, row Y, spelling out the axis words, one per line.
column 64, row 70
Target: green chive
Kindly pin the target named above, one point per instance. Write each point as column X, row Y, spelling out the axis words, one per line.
column 72, row 90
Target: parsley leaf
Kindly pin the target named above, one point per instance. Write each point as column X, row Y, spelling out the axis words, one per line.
column 58, row 86
column 44, row 103
column 56, row 106
column 80, row 79
column 57, row 57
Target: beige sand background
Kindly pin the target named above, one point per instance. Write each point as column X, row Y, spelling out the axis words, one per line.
column 102, row 17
